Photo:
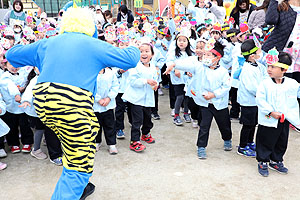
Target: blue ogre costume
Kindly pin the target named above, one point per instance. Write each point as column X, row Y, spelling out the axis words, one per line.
column 64, row 95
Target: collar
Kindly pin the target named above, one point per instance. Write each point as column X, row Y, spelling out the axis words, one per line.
column 273, row 79
column 253, row 64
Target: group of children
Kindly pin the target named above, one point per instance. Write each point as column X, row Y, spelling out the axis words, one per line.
column 204, row 66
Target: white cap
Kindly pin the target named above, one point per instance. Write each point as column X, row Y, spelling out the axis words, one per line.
column 98, row 7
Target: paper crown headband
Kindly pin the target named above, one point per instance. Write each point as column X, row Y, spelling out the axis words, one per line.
column 210, row 45
column 217, row 27
column 163, row 31
column 272, row 59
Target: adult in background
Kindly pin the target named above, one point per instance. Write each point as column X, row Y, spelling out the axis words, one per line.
column 242, row 11
column 125, row 15
column 15, row 14
column 257, row 17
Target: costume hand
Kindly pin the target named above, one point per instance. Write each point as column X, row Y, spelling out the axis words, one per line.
column 209, row 96
column 276, row 115
column 177, row 73
column 18, row 98
column 25, row 104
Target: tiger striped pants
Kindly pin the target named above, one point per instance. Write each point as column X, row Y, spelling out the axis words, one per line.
column 68, row 111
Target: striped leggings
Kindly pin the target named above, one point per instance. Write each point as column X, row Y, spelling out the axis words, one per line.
column 68, row 111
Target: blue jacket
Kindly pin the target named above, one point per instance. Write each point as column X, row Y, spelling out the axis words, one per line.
column 107, row 86
column 205, row 80
column 72, row 58
column 27, row 96
column 250, row 77
column 139, row 92
column 9, row 90
column 171, row 58
column 272, row 97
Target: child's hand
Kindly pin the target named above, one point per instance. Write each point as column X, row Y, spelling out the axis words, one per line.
column 177, row 73
column 18, row 98
column 209, row 96
column 276, row 115
column 122, row 71
column 21, row 89
column 169, row 69
column 25, row 104
column 106, row 101
column 189, row 74
column 151, row 82
column 0, row 111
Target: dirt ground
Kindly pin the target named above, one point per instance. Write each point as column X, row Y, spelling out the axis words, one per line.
column 167, row 170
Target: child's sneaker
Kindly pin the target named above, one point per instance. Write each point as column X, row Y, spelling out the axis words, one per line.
column 160, row 92
column 120, row 134
column 57, row 161
column 2, row 153
column 155, row 116
column 173, row 112
column 263, row 169
column 98, row 145
column 246, row 152
column 38, row 154
column 279, row 167
column 2, row 166
column 227, row 145
column 26, row 148
column 137, row 146
column 15, row 149
column 177, row 121
column 187, row 118
column 252, row 146
column 148, row 138
column 112, row 149
column 195, row 124
column 202, row 153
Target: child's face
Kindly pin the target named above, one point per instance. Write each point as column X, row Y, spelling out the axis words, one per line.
column 182, row 42
column 10, row 68
column 216, row 35
column 241, row 38
column 200, row 49
column 146, row 53
column 209, row 55
column 160, row 36
column 123, row 45
column 169, row 38
column 11, row 42
column 209, row 27
column 201, row 3
column 233, row 39
column 275, row 72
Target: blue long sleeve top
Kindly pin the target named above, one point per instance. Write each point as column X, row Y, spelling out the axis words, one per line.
column 72, row 58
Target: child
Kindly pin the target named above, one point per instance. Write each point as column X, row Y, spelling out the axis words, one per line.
column 107, row 90
column 193, row 107
column 251, row 75
column 15, row 116
column 142, row 81
column 182, row 50
column 122, row 76
column 2, row 132
column 231, row 35
column 210, row 90
column 277, row 103
column 27, row 104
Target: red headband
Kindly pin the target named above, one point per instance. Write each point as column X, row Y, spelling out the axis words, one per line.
column 216, row 53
